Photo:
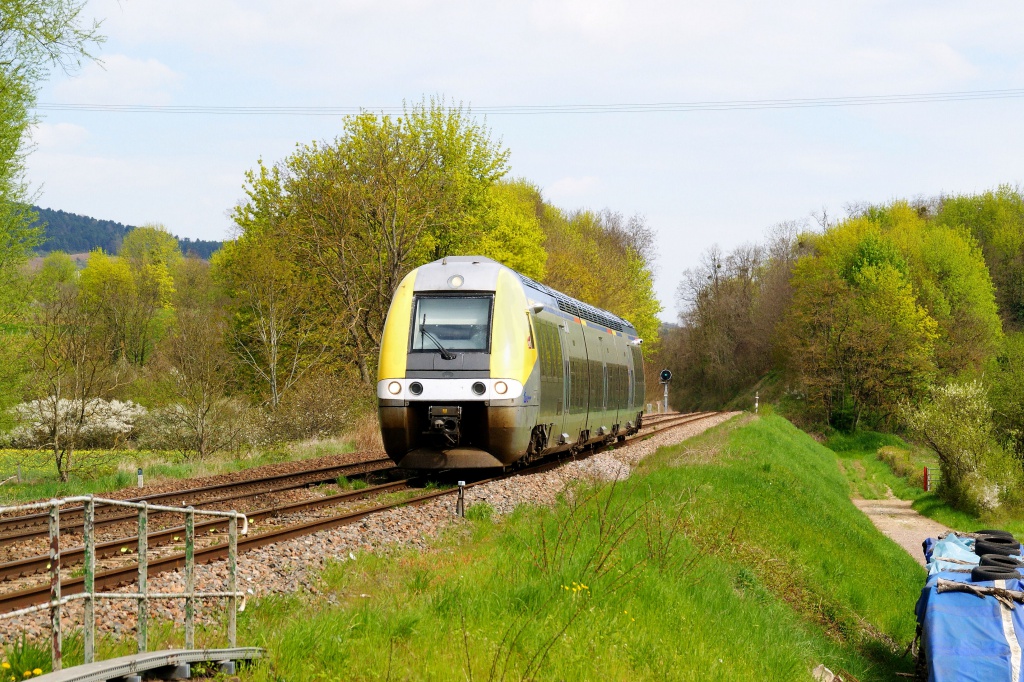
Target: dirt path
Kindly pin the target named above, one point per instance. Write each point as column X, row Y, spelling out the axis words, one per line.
column 900, row 523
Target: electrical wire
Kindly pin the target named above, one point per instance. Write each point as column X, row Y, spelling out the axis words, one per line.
column 554, row 109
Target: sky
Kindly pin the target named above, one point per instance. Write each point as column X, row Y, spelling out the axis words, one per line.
column 698, row 178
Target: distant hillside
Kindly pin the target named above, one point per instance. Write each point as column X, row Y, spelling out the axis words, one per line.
column 73, row 233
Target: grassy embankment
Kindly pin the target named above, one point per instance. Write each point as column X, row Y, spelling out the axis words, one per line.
column 735, row 556
column 874, row 462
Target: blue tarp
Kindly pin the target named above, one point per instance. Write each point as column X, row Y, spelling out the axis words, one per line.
column 967, row 638
column 951, row 547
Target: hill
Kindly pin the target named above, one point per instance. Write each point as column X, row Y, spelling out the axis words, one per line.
column 73, row 233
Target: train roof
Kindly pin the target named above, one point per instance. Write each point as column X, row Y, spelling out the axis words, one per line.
column 554, row 298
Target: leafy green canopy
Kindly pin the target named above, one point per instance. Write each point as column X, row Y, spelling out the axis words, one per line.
column 996, row 220
column 35, row 36
column 884, row 304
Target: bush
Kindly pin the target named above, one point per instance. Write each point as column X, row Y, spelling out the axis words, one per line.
column 957, row 423
column 321, row 405
column 901, row 464
column 105, row 424
column 196, row 433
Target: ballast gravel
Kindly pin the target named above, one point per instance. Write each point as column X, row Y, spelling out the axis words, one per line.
column 294, row 565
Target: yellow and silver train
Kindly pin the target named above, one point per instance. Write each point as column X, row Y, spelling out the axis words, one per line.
column 482, row 367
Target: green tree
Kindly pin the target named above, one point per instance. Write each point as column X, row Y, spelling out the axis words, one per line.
column 996, row 221
column 856, row 339
column 35, row 37
column 511, row 232
column 129, row 296
column 956, row 422
column 389, row 194
column 277, row 329
column 606, row 260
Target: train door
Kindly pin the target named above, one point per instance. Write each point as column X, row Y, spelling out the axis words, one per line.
column 552, row 376
column 578, row 379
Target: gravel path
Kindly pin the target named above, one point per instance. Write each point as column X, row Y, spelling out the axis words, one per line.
column 295, row 565
column 901, row 524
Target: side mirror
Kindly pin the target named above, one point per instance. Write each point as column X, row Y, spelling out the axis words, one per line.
column 637, row 342
column 537, row 309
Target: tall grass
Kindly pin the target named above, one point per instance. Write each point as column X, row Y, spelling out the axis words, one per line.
column 751, row 564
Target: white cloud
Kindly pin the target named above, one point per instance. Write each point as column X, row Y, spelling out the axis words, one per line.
column 57, row 137
column 120, row 79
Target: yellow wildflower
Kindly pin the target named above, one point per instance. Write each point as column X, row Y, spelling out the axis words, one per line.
column 5, row 665
column 37, row 671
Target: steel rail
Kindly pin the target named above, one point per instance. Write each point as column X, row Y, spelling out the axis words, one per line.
column 379, row 464
column 74, row 555
column 122, row 518
column 118, row 576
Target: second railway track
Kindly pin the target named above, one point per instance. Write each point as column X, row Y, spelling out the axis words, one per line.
column 120, row 575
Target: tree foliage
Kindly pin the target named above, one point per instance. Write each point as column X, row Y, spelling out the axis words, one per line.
column 956, row 422
column 35, row 36
column 996, row 220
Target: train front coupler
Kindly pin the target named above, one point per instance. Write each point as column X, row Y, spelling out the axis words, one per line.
column 445, row 422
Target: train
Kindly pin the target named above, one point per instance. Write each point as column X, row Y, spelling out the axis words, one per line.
column 482, row 367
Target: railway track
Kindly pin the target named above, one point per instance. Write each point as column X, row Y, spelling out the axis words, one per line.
column 18, row 528
column 121, row 575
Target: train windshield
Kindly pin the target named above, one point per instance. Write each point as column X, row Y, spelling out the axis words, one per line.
column 452, row 323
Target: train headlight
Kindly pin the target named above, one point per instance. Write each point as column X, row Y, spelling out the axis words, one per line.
column 394, row 388
column 500, row 387
column 455, row 281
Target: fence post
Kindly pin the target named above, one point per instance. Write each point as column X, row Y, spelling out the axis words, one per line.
column 232, row 580
column 190, row 578
column 89, row 605
column 925, row 479
column 143, row 626
column 55, row 642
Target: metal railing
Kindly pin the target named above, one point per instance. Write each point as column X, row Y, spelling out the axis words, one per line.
column 89, row 595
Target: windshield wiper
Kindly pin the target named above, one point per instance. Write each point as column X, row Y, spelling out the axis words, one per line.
column 445, row 353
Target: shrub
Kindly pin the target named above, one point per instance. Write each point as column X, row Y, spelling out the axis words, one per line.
column 198, row 432
column 901, row 464
column 105, row 423
column 957, row 423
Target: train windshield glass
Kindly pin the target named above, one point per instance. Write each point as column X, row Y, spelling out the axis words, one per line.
column 456, row 323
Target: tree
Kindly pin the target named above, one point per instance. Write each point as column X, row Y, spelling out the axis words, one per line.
column 996, row 220
column 606, row 260
column 856, row 339
column 277, row 329
column 197, row 367
column 389, row 194
column 128, row 295
column 70, row 360
column 956, row 422
column 35, row 36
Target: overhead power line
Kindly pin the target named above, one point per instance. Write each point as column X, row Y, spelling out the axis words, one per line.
column 554, row 109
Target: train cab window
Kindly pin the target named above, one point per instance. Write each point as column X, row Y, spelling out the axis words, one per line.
column 458, row 323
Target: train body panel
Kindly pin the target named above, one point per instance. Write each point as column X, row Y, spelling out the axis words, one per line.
column 483, row 367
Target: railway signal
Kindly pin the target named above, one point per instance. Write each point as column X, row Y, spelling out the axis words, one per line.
column 665, row 376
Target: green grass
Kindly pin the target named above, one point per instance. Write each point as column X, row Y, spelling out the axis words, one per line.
column 735, row 556
column 107, row 470
column 869, row 477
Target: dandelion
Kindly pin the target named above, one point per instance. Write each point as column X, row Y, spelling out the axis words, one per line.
column 28, row 673
column 37, row 671
column 5, row 665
